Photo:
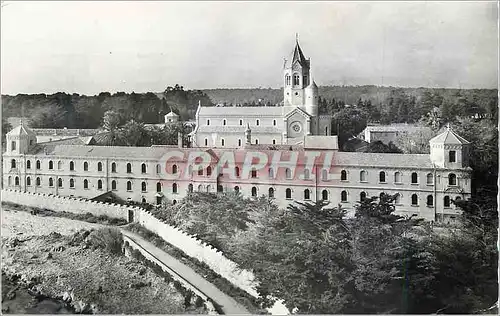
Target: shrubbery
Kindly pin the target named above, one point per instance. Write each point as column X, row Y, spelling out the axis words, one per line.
column 110, row 239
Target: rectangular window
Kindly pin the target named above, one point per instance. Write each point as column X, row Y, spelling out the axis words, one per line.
column 452, row 156
column 13, row 145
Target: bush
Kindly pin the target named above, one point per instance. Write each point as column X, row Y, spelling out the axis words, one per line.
column 110, row 239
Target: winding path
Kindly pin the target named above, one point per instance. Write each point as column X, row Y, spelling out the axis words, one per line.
column 227, row 303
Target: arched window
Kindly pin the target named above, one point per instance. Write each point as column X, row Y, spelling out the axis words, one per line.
column 200, row 171
column 430, row 200
column 143, row 200
column 237, row 171
column 51, row 165
column 343, row 175
column 113, row 167
column 326, row 130
column 86, row 184
column 143, row 186
column 190, row 188
column 254, row 191
column 9, row 182
column 28, row 164
column 414, row 178
column 343, row 196
column 296, row 79
column 208, row 122
column 241, row 122
column 288, row 173
column 271, row 192
column 143, row 168
column 51, row 182
column 158, row 187
column 38, row 164
column 324, row 195
column 222, row 142
column 306, row 174
column 239, row 142
column 274, row 141
column 99, row 166
column 129, row 186
column 208, row 188
column 237, row 189
column 200, row 188
column 397, row 177
column 271, row 173
column 38, row 182
column 174, row 187
column 174, row 169
column 414, row 199
column 99, row 184
column 13, row 145
column 60, row 182
column 206, row 141
column 452, row 179
column 324, row 175
column 381, row 177
column 446, row 201
column 158, row 168
column 13, row 163
column 224, row 122
column 86, row 166
column 362, row 196
column 430, row 179
column 288, row 193
column 59, row 165
column 71, row 166
column 287, row 80
column 254, row 173
column 274, row 122
column 113, row 185
column 174, row 202
column 397, row 198
column 256, row 141
column 209, row 171
column 307, row 194
column 16, row 181
column 129, row 167
column 257, row 122
column 158, row 200
column 362, row 176
column 71, row 183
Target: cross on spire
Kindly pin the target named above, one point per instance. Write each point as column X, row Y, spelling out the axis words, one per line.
column 297, row 37
column 448, row 126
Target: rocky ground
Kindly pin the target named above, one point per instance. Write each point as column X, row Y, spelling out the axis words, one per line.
column 48, row 267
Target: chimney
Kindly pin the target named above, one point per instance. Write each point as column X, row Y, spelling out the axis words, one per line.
column 179, row 140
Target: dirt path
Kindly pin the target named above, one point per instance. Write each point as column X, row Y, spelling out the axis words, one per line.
column 228, row 304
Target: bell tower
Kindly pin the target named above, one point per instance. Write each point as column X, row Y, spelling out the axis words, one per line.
column 296, row 78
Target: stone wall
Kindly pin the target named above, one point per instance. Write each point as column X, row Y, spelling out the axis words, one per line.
column 67, row 204
column 189, row 244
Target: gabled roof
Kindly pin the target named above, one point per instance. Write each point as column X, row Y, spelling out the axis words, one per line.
column 449, row 137
column 21, row 130
column 304, row 113
column 171, row 114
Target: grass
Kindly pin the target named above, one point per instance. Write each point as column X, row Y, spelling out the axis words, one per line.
column 201, row 268
column 86, row 217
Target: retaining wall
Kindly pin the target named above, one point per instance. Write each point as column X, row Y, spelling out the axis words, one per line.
column 189, row 244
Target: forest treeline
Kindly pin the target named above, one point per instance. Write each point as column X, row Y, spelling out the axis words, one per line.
column 383, row 104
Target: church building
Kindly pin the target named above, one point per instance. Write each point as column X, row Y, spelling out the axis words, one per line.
column 288, row 123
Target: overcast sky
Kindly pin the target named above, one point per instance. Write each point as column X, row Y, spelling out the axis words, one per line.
column 89, row 47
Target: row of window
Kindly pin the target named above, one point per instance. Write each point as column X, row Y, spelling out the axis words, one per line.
column 257, row 122
column 223, row 142
column 363, row 175
column 38, row 182
column 86, row 166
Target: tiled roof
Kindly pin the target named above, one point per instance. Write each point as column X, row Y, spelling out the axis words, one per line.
column 64, row 132
column 171, row 114
column 449, row 137
column 239, row 129
column 241, row 111
column 395, row 128
column 21, row 130
column 382, row 160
